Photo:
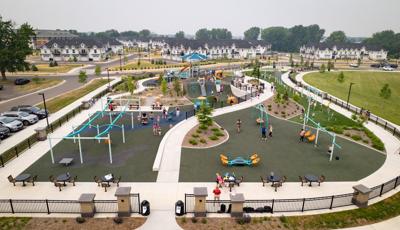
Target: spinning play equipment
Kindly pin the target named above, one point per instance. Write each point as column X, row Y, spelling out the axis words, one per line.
column 261, row 115
column 253, row 160
column 314, row 137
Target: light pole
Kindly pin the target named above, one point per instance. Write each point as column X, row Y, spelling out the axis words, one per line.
column 120, row 60
column 45, row 109
column 108, row 78
column 348, row 96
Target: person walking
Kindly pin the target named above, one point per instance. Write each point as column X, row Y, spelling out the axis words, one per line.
column 270, row 130
column 238, row 125
column 302, row 134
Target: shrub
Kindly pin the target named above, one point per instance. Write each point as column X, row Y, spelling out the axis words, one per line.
column 34, row 68
column 354, row 117
column 193, row 141
column 199, row 131
column 195, row 135
column 204, row 221
column 246, row 219
column 356, row 137
column 203, row 127
column 202, row 140
column 36, row 80
column 347, row 134
column 213, row 138
column 183, row 220
column 215, row 129
column 80, row 220
column 118, row 220
column 194, row 220
column 376, row 142
column 365, row 141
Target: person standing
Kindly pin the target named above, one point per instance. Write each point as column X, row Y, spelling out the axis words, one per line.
column 238, row 125
column 177, row 112
column 217, row 193
column 270, row 130
column 263, row 133
column 302, row 134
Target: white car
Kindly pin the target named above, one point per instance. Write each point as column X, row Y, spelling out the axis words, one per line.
column 11, row 123
column 387, row 68
column 24, row 117
column 354, row 65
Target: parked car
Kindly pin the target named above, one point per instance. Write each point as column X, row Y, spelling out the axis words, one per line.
column 25, row 118
column 21, row 81
column 11, row 123
column 387, row 68
column 4, row 132
column 41, row 113
column 354, row 65
column 1, row 87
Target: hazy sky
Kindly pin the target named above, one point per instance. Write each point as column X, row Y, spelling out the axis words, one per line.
column 355, row 17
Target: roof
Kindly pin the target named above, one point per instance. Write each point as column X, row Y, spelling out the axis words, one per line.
column 54, row 34
column 194, row 57
column 346, row 45
column 89, row 42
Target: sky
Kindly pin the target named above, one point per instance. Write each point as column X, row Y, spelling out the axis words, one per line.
column 354, row 17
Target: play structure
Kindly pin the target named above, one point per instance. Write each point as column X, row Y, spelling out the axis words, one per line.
column 313, row 137
column 231, row 100
column 103, row 135
column 184, row 73
column 218, row 75
column 261, row 115
column 253, row 160
column 200, row 100
column 202, row 82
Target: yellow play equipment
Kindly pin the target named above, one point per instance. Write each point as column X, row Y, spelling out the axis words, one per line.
column 232, row 100
column 219, row 74
column 310, row 136
column 253, row 160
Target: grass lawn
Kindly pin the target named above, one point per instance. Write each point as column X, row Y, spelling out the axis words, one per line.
column 365, row 93
column 282, row 154
column 40, row 83
column 63, row 100
column 61, row 68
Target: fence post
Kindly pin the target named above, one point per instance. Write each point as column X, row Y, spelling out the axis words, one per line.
column 376, row 121
column 380, row 193
column 272, row 206
column 395, row 182
column 186, row 115
column 67, row 116
column 361, row 195
column 333, row 197
column 86, row 201
column 237, row 201
column 302, row 207
column 184, row 205
column 385, row 124
column 2, row 161
column 394, row 131
column 47, row 205
column 123, row 199
column 29, row 143
column 200, row 194
column 12, row 207
column 16, row 150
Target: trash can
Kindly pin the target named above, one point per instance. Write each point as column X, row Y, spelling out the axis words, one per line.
column 179, row 208
column 145, row 208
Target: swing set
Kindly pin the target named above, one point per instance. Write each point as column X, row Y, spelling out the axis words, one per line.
column 314, row 137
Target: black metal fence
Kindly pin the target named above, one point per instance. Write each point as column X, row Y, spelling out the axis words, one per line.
column 27, row 143
column 292, row 205
column 135, row 202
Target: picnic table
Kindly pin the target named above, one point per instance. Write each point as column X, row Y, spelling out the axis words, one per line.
column 274, row 179
column 107, row 178
column 231, row 181
column 23, row 178
column 64, row 178
column 311, row 178
column 66, row 161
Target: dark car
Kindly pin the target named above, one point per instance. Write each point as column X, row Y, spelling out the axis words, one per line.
column 4, row 132
column 41, row 113
column 1, row 87
column 21, row 81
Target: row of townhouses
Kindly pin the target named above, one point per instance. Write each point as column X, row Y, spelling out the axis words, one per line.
column 42, row 37
column 80, row 49
column 173, row 48
column 352, row 51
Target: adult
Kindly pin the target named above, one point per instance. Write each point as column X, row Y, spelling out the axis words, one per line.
column 263, row 133
column 177, row 111
column 217, row 193
column 302, row 134
column 164, row 112
column 238, row 125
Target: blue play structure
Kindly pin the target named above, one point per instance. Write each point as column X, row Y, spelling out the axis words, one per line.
column 240, row 161
column 200, row 100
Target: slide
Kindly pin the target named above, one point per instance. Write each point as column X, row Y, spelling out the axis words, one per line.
column 202, row 83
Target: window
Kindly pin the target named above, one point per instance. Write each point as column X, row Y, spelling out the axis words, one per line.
column 73, row 51
column 67, row 51
column 95, row 51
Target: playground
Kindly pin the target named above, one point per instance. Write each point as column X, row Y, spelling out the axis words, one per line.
column 131, row 160
column 282, row 154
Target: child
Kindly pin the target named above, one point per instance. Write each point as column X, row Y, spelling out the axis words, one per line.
column 302, row 133
column 238, row 125
column 177, row 112
column 270, row 131
column 217, row 193
column 159, row 130
column 154, row 129
column 219, row 180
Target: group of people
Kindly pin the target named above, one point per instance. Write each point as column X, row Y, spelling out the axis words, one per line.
column 157, row 129
column 222, row 181
column 264, row 132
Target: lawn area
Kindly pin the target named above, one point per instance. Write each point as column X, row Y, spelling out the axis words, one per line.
column 61, row 68
column 63, row 100
column 365, row 91
column 132, row 160
column 282, row 154
column 37, row 84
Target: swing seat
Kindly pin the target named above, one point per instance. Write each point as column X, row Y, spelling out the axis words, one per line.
column 254, row 156
column 308, row 133
column 107, row 141
column 311, row 138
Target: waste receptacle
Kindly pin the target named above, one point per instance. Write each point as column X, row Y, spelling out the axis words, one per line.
column 179, row 208
column 145, row 208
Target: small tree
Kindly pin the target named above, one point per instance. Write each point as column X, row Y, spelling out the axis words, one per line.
column 359, row 61
column 34, row 68
column 131, row 84
column 322, row 68
column 329, row 66
column 51, row 64
column 204, row 115
column 341, row 77
column 55, row 63
column 82, row 76
column 177, row 86
column 75, row 59
column 97, row 70
column 164, row 87
column 301, row 60
column 386, row 92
